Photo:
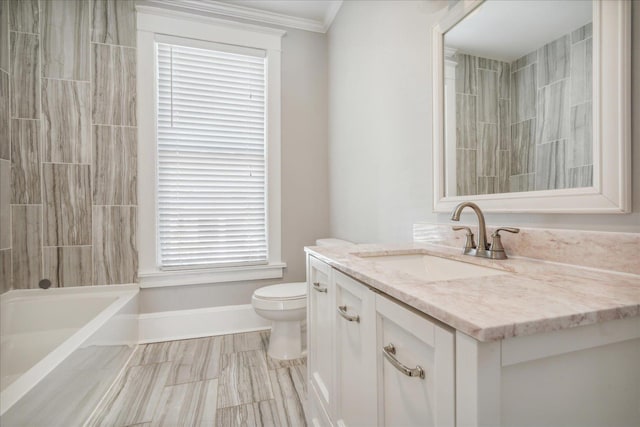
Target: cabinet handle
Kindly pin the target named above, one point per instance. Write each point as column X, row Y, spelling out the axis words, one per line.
column 316, row 286
column 389, row 352
column 342, row 310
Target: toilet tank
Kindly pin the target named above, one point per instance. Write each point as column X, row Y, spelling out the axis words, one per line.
column 333, row 242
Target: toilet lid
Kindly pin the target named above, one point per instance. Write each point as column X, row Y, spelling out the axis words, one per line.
column 284, row 291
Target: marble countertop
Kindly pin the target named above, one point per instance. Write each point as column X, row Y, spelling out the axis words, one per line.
column 531, row 297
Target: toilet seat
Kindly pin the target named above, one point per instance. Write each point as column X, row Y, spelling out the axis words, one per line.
column 286, row 296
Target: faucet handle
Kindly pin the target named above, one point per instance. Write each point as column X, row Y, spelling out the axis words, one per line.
column 469, row 243
column 496, row 242
column 509, row 229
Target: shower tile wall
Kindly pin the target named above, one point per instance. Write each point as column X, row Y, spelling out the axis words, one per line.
column 67, row 143
column 527, row 125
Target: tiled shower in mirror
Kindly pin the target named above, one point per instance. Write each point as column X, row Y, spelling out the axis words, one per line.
column 524, row 124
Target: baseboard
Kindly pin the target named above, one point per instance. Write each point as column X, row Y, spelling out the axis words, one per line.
column 197, row 323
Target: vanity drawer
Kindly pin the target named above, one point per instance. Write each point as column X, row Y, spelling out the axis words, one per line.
column 415, row 368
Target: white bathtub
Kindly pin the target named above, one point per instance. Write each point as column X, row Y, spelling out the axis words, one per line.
column 40, row 329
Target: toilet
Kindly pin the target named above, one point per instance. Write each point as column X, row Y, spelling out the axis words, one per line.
column 286, row 306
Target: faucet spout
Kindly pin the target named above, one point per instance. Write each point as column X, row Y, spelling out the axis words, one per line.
column 482, row 229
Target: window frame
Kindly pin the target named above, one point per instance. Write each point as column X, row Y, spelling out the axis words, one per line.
column 155, row 24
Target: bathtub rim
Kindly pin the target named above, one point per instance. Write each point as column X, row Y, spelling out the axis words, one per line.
column 21, row 386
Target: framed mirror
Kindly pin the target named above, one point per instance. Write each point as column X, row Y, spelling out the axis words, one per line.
column 532, row 103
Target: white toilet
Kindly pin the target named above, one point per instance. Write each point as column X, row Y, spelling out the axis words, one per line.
column 286, row 306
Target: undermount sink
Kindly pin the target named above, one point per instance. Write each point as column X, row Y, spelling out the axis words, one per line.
column 432, row 268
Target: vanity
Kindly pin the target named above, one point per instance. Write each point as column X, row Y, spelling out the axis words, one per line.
column 461, row 329
column 421, row 335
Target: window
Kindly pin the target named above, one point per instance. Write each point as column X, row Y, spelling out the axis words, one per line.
column 211, row 157
column 209, row 133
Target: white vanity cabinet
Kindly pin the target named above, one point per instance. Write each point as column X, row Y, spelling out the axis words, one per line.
column 415, row 368
column 355, row 358
column 320, row 311
column 349, row 327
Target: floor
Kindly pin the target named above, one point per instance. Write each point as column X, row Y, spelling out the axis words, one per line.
column 223, row 381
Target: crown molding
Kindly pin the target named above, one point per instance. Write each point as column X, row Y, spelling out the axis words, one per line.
column 243, row 12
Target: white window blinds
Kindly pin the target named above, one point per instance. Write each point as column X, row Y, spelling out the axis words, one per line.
column 211, row 158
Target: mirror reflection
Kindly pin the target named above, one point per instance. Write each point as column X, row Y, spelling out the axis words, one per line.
column 518, row 98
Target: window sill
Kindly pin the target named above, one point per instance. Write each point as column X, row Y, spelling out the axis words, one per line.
column 158, row 279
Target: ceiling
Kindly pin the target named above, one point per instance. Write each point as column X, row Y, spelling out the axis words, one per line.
column 312, row 15
column 507, row 30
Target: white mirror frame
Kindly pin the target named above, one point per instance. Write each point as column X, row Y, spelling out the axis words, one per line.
column 611, row 191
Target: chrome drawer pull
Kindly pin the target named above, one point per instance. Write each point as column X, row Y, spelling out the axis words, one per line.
column 389, row 352
column 342, row 310
column 316, row 286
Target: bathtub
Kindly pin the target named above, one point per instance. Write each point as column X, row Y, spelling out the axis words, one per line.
column 61, row 344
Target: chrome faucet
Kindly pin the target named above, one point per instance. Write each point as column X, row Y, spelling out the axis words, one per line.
column 495, row 250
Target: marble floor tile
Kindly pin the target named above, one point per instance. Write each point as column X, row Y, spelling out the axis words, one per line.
column 136, row 400
column 66, row 121
column 195, row 360
column 67, row 265
column 5, row 204
column 259, row 414
column 244, row 378
column 466, row 79
column 24, row 16
column 158, row 352
column 466, row 121
column 189, row 404
column 6, row 282
column 115, row 157
column 5, row 115
column 25, row 162
column 4, row 36
column 243, row 342
column 290, row 390
column 277, row 364
column 113, row 80
column 65, row 39
column 113, row 22
column 26, row 245
column 553, row 61
column 67, row 204
column 25, row 75
column 114, row 244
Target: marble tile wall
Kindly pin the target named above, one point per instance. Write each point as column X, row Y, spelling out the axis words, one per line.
column 526, row 124
column 68, row 142
column 482, row 124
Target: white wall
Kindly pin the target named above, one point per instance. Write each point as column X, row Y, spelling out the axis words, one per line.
column 380, row 126
column 379, row 118
column 305, row 192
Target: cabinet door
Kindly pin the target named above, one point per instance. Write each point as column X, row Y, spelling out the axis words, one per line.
column 416, row 375
column 320, row 309
column 354, row 313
